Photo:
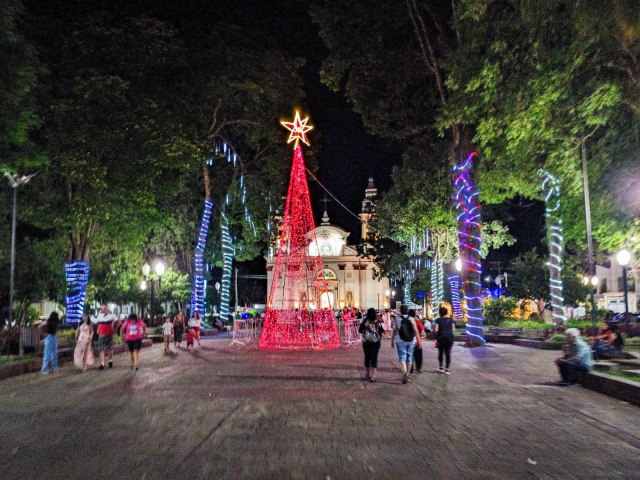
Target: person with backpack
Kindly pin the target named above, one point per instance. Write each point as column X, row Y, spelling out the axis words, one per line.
column 133, row 330
column 371, row 330
column 405, row 339
column 444, row 328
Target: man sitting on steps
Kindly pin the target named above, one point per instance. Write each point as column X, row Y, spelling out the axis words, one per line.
column 579, row 358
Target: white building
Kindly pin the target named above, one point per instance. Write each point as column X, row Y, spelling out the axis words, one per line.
column 349, row 277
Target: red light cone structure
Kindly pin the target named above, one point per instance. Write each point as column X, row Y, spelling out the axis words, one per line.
column 299, row 285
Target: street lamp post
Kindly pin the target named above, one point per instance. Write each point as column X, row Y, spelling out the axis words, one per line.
column 159, row 269
column 594, row 284
column 217, row 287
column 623, row 258
column 15, row 182
column 143, row 287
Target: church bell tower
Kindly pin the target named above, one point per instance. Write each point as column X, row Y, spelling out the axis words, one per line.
column 368, row 207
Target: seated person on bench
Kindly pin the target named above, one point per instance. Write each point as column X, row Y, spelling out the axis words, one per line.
column 577, row 359
column 608, row 343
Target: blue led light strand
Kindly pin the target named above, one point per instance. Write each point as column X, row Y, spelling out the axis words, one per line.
column 454, row 285
column 197, row 295
column 466, row 200
column 228, row 252
column 551, row 191
column 77, row 277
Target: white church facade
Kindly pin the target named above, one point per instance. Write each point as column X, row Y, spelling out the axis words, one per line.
column 349, row 277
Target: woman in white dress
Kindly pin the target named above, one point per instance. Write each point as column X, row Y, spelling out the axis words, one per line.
column 83, row 353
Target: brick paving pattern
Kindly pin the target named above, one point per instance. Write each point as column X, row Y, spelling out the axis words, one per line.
column 222, row 412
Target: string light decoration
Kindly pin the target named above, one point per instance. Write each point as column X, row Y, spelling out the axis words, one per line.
column 299, row 284
column 437, row 282
column 551, row 190
column 77, row 277
column 228, row 253
column 221, row 149
column 466, row 199
column 198, row 293
column 407, row 292
column 298, row 129
column 454, row 285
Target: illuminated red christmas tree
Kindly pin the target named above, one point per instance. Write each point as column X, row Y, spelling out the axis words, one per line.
column 298, row 314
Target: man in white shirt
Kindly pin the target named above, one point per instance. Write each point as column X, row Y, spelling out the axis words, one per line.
column 106, row 326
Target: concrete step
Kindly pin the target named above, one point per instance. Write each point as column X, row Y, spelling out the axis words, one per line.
column 626, row 362
column 604, row 365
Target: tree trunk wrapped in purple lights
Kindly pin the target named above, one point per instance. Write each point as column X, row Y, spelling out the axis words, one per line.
column 467, row 204
column 299, row 313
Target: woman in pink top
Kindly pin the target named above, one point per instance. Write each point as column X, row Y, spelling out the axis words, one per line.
column 133, row 331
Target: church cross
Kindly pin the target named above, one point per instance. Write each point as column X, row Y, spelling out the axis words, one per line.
column 325, row 200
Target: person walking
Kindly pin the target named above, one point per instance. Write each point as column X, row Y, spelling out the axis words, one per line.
column 417, row 351
column 404, row 338
column 49, row 330
column 371, row 330
column 133, row 331
column 167, row 332
column 106, row 326
column 444, row 328
column 83, row 353
column 178, row 328
column 195, row 323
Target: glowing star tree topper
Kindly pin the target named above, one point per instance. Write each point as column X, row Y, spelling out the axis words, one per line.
column 298, row 129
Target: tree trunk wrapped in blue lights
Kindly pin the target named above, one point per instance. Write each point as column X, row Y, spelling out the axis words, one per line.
column 228, row 253
column 551, row 190
column 197, row 296
column 77, row 277
column 437, row 283
column 466, row 199
column 454, row 286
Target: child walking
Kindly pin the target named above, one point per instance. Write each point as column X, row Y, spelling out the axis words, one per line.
column 191, row 336
column 167, row 331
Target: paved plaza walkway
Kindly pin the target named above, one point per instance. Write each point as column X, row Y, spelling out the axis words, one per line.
column 223, row 413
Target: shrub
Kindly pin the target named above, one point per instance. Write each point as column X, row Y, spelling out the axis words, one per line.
column 525, row 324
column 499, row 310
column 556, row 337
column 579, row 323
column 635, row 341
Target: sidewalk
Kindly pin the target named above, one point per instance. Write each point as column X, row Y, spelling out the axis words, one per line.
column 221, row 412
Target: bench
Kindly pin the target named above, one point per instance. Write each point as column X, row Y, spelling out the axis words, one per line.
column 502, row 334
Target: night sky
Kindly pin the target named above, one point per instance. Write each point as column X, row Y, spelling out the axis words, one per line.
column 344, row 155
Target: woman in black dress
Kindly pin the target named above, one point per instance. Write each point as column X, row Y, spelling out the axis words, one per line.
column 444, row 329
column 371, row 330
column 178, row 328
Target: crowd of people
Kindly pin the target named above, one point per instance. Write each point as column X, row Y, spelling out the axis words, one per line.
column 408, row 333
column 103, row 327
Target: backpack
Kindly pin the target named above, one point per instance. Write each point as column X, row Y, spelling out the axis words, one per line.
column 369, row 334
column 405, row 330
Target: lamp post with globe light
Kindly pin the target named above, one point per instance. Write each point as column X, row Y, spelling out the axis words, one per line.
column 15, row 182
column 624, row 257
column 159, row 269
